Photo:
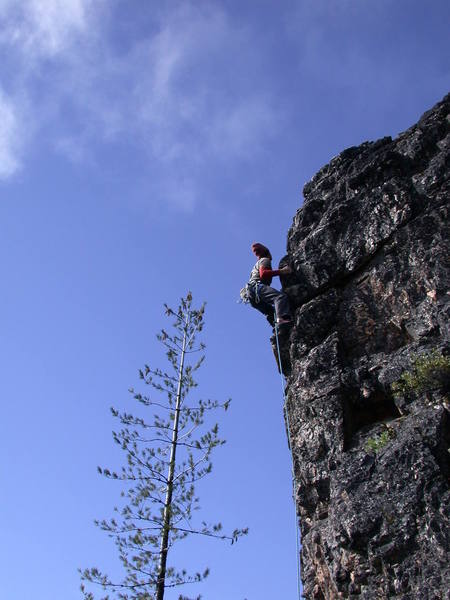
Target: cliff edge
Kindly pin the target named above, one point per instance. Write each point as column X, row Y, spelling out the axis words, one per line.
column 370, row 251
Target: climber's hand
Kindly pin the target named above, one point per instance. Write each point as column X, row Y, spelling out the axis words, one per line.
column 286, row 270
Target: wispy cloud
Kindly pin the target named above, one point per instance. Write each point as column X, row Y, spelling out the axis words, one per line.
column 348, row 46
column 43, row 28
column 197, row 95
column 185, row 94
column 10, row 138
column 32, row 32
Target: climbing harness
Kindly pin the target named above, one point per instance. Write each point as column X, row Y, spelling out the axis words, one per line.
column 294, row 481
column 249, row 294
column 244, row 295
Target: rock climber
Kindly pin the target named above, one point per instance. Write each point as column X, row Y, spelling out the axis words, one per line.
column 266, row 299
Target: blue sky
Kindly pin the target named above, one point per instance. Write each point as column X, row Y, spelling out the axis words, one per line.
column 143, row 147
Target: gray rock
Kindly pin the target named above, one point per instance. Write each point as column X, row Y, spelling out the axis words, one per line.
column 370, row 251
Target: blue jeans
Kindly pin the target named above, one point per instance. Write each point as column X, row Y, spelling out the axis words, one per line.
column 268, row 300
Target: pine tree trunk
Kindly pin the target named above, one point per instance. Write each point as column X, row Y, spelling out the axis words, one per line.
column 164, row 547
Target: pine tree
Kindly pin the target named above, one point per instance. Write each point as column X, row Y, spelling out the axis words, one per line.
column 164, row 460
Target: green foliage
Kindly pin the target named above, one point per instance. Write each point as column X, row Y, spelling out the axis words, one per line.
column 428, row 372
column 375, row 444
column 165, row 457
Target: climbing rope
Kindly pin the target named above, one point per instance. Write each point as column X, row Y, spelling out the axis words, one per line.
column 294, row 481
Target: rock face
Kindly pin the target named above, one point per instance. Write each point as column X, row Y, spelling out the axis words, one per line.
column 370, row 250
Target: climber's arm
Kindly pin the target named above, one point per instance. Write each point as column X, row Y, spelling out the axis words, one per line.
column 265, row 273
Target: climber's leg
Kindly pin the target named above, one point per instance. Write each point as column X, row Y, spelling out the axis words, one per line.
column 265, row 309
column 278, row 300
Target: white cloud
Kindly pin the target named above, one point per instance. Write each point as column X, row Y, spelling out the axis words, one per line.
column 43, row 28
column 10, row 138
column 186, row 94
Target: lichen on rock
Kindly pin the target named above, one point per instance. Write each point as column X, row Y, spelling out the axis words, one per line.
column 370, row 250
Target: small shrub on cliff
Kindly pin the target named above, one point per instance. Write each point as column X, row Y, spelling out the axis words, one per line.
column 378, row 442
column 428, row 372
